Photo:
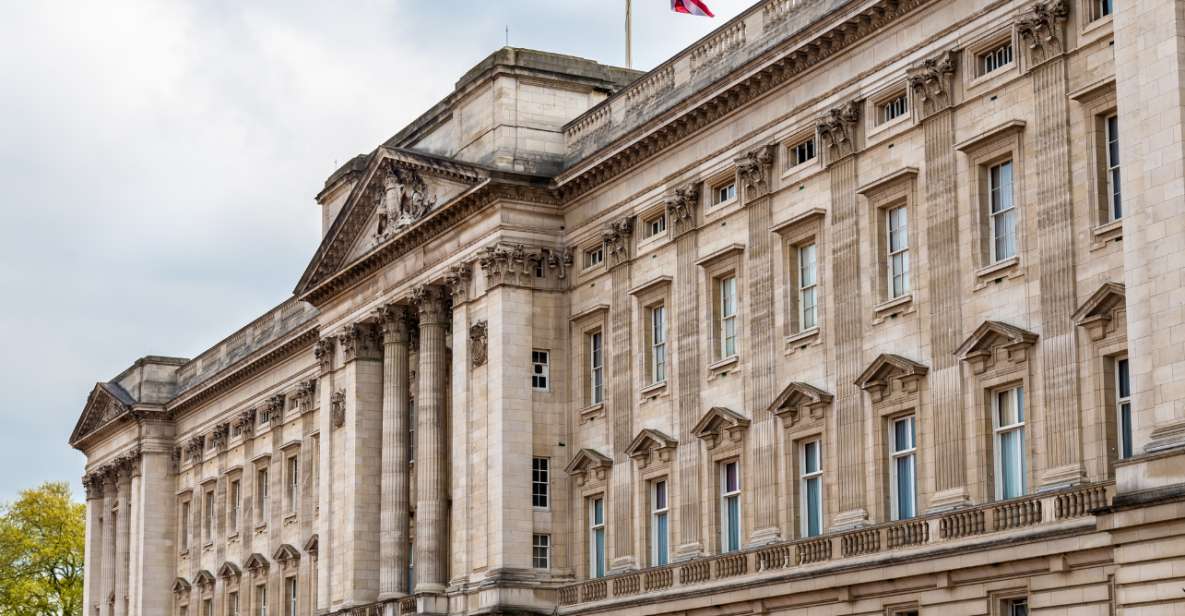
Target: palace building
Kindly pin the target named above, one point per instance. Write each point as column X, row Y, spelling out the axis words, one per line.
column 866, row 307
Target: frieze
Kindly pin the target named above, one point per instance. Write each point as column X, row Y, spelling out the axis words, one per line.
column 478, row 343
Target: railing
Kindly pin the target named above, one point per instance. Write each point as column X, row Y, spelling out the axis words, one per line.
column 917, row 532
column 407, row 605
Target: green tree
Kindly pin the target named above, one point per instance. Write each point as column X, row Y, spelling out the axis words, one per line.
column 41, row 553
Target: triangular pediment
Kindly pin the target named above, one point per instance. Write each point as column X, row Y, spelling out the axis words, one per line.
column 799, row 399
column 286, row 554
column 312, row 545
column 397, row 190
column 256, row 563
column 204, row 579
column 229, row 570
column 587, row 459
column 719, row 422
column 106, row 403
column 992, row 334
column 181, row 586
column 1098, row 311
column 647, row 441
column 886, row 367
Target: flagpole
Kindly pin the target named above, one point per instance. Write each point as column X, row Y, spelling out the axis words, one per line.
column 629, row 61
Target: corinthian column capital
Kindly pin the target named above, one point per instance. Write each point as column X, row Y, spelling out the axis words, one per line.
column 395, row 321
column 431, row 302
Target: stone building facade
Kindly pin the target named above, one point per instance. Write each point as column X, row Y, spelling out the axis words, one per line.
column 827, row 314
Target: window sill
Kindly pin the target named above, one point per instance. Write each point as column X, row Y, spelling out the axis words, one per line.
column 290, row 518
column 803, row 339
column 183, row 553
column 996, row 272
column 260, row 529
column 722, row 367
column 590, row 413
column 893, row 308
column 653, row 390
column 233, row 537
column 1106, row 233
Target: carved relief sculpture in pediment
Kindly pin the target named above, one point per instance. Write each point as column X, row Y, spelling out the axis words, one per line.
column 755, row 170
column 681, row 207
column 720, row 425
column 478, row 343
column 799, row 401
column 837, row 130
column 994, row 340
column 403, row 199
column 588, row 461
column 616, row 238
column 337, row 408
column 932, row 82
column 1098, row 314
column 651, row 446
column 1041, row 29
column 889, row 375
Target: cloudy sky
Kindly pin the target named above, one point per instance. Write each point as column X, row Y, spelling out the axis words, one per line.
column 159, row 160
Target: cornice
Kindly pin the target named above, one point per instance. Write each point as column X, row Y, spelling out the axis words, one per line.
column 670, row 128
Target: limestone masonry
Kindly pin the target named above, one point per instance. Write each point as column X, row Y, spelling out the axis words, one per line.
column 852, row 307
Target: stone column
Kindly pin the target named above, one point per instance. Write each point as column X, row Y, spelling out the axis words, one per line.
column 122, row 535
column 431, row 542
column 109, row 531
column 395, row 503
column 682, row 211
column 94, row 542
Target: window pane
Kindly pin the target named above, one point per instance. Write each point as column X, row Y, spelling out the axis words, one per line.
column 905, row 487
column 1125, row 430
column 811, row 457
column 814, row 507
column 599, row 553
column 1124, row 380
column 660, row 540
column 1011, row 446
column 733, row 523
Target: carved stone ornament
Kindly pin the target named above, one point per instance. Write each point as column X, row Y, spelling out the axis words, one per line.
column 337, row 405
column 257, row 564
column 891, row 375
column 219, row 435
column 993, row 339
column 799, row 401
column 324, row 353
column 586, row 462
column 616, row 238
column 244, row 423
column 359, row 341
column 681, row 206
column 274, row 408
column 720, row 425
column 175, row 459
column 403, row 200
column 478, row 343
column 395, row 322
column 306, row 392
column 194, row 448
column 457, row 280
column 93, row 486
column 559, row 261
column 429, row 300
column 1098, row 313
column 837, row 130
column 651, row 446
column 1041, row 29
column 755, row 169
column 932, row 81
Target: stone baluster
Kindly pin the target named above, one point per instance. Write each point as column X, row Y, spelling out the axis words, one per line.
column 431, row 542
column 393, row 540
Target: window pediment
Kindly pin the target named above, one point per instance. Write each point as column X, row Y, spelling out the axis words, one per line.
column 585, row 461
column 650, row 443
column 1097, row 313
column 286, row 555
column 312, row 545
column 981, row 347
column 890, row 372
column 256, row 564
column 229, row 570
column 720, row 423
column 204, row 579
column 798, row 401
column 181, row 586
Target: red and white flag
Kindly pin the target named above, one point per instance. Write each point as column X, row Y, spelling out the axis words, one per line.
column 691, row 7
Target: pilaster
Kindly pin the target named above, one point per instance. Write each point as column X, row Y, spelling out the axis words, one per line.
column 618, row 239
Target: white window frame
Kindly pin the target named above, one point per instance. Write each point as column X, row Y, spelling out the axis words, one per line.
column 1015, row 395
column 596, row 366
column 906, row 451
column 1123, row 409
column 597, row 564
column 208, row 516
column 660, row 522
column 1101, row 9
column 540, row 551
column 657, row 319
column 234, row 506
column 897, row 257
column 724, row 192
column 594, row 256
column 291, row 596
column 540, row 369
column 540, row 482
column 806, row 478
column 1112, row 161
column 232, row 600
column 262, row 504
column 292, row 483
column 728, row 496
column 655, row 225
column 994, row 58
column 893, row 108
column 808, row 285
column 801, row 152
column 727, row 298
column 1009, row 215
column 261, row 599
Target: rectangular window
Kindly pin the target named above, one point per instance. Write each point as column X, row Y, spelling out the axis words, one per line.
column 1002, row 216
column 656, row 225
column 184, row 610
column 660, row 534
column 293, row 484
column 994, row 59
column 810, row 464
column 208, row 517
column 594, row 256
column 658, row 344
column 185, row 525
column 207, row 607
column 232, row 604
column 596, row 368
column 1008, row 421
column 290, row 596
column 801, row 152
column 411, row 430
column 893, row 108
column 903, row 467
column 1114, row 202
column 728, row 316
column 730, row 507
column 1123, row 407
column 808, row 300
column 1102, row 8
column 235, row 497
column 1015, row 607
column 411, row 566
column 596, row 537
column 540, row 370
column 540, row 482
column 541, row 551
column 261, row 500
column 724, row 193
column 261, row 600
column 897, row 227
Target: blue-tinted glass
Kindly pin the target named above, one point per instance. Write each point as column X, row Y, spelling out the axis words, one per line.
column 598, row 511
column 811, row 457
column 1125, row 387
column 814, row 510
column 733, row 527
column 660, row 544
column 1011, row 444
column 1125, row 428
column 599, row 556
column 905, row 489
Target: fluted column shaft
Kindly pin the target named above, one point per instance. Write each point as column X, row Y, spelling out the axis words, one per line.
column 94, row 542
column 122, row 538
column 107, row 571
column 393, row 540
column 431, row 456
